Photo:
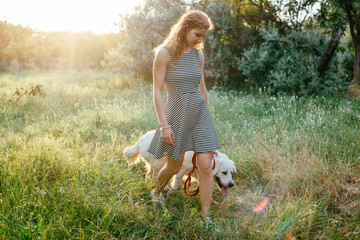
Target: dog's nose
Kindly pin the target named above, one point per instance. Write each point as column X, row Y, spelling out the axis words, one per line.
column 231, row 184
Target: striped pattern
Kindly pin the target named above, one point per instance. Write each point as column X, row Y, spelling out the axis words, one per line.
column 185, row 111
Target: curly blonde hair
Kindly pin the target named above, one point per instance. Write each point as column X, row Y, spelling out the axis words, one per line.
column 176, row 40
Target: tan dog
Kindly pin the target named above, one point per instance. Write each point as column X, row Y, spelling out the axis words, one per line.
column 222, row 172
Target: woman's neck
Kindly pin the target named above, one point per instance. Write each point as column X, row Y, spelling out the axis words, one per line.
column 187, row 49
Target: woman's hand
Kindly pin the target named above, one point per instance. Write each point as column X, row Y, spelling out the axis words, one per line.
column 167, row 136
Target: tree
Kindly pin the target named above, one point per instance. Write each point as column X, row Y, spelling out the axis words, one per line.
column 294, row 13
column 140, row 33
column 15, row 44
column 333, row 14
column 98, row 46
column 256, row 13
column 352, row 9
column 329, row 52
column 47, row 48
column 5, row 39
column 20, row 46
column 236, row 27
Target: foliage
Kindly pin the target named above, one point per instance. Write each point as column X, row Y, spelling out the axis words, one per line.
column 149, row 24
column 287, row 65
column 5, row 38
column 50, row 49
column 63, row 174
column 294, row 13
column 221, row 55
column 33, row 91
column 237, row 27
column 335, row 14
column 223, row 45
column 83, row 49
column 15, row 43
column 47, row 48
column 346, row 62
column 330, row 18
column 237, row 24
column 141, row 32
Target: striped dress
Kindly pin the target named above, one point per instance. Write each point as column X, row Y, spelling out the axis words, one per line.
column 186, row 111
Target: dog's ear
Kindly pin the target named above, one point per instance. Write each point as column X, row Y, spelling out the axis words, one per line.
column 234, row 169
column 233, row 166
column 218, row 162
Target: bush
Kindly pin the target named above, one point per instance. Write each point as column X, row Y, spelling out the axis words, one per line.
column 288, row 65
column 346, row 60
column 224, row 44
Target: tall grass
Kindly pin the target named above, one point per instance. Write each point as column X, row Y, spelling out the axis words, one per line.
column 63, row 175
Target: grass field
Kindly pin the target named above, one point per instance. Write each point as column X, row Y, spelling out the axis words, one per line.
column 63, row 174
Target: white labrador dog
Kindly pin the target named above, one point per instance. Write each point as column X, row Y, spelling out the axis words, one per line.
column 222, row 172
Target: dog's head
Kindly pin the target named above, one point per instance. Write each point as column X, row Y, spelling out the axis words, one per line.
column 224, row 168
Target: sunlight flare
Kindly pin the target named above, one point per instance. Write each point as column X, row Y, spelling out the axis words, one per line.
column 76, row 16
column 261, row 205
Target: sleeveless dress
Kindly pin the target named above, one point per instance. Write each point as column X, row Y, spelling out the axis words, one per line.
column 186, row 111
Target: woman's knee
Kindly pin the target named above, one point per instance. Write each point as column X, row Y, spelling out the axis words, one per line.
column 173, row 169
column 204, row 163
column 174, row 165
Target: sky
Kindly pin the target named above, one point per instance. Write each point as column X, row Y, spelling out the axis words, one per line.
column 73, row 15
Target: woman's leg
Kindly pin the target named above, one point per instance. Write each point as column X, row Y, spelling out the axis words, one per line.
column 172, row 167
column 206, row 181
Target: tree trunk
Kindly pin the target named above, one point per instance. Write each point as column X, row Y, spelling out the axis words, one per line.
column 357, row 64
column 329, row 52
column 262, row 13
column 355, row 34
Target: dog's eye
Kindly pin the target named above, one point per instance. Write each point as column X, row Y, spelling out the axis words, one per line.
column 225, row 172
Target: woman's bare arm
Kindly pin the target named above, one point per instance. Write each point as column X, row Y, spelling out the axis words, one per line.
column 159, row 71
column 202, row 86
column 161, row 62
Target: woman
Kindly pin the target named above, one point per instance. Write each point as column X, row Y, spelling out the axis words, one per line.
column 185, row 123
